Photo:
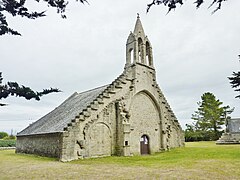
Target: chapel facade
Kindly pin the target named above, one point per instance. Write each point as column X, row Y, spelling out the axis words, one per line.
column 130, row 116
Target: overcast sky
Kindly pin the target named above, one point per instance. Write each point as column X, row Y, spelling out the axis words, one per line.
column 194, row 52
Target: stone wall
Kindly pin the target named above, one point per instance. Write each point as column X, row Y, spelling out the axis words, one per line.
column 95, row 134
column 40, row 144
column 232, row 132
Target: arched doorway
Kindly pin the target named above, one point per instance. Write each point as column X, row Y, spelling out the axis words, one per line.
column 144, row 145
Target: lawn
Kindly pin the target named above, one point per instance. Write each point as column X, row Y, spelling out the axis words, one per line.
column 198, row 160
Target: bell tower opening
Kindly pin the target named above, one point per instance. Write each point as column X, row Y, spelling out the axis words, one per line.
column 140, row 50
column 131, row 56
column 148, row 54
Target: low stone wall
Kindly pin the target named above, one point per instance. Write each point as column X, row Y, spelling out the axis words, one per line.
column 6, row 148
column 229, row 138
column 41, row 144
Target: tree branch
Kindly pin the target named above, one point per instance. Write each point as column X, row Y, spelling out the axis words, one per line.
column 18, row 8
column 172, row 4
column 13, row 89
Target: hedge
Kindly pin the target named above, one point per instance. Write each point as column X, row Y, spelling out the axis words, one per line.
column 7, row 143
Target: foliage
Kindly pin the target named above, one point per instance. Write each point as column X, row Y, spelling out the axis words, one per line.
column 19, row 8
column 172, row 4
column 208, row 119
column 10, row 137
column 191, row 136
column 13, row 89
column 8, row 143
column 3, row 134
column 235, row 82
column 198, row 135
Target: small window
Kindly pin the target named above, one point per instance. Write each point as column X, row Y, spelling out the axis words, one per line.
column 131, row 56
column 140, row 50
column 148, row 54
column 126, row 143
column 147, row 60
column 139, row 56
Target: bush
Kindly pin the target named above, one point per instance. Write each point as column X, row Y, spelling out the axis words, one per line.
column 191, row 136
column 8, row 143
column 10, row 137
column 3, row 134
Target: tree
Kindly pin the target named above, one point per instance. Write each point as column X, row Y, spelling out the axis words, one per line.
column 3, row 135
column 191, row 134
column 19, row 8
column 235, row 81
column 172, row 4
column 13, row 89
column 211, row 115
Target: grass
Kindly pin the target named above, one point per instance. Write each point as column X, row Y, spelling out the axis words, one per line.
column 198, row 160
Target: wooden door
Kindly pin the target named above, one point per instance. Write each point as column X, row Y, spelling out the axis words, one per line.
column 144, row 145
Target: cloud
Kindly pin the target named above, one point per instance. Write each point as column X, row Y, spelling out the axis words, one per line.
column 194, row 52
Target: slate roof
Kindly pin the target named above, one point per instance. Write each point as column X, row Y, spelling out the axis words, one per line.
column 57, row 119
column 235, row 119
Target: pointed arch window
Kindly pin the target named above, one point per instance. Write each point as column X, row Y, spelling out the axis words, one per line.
column 140, row 49
column 148, row 54
column 131, row 55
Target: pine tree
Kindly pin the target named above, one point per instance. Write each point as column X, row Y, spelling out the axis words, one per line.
column 211, row 115
column 235, row 82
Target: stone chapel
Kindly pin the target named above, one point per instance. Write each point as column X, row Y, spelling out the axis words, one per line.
column 128, row 117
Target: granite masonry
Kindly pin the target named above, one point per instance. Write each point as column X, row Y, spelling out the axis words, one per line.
column 128, row 117
column 232, row 132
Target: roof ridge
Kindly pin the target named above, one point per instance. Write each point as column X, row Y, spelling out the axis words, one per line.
column 92, row 89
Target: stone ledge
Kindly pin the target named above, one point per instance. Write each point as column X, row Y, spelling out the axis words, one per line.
column 6, row 148
column 227, row 142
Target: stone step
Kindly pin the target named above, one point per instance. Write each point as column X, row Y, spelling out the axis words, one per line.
column 76, row 120
column 81, row 117
column 95, row 102
column 100, row 100
column 122, row 80
column 106, row 95
column 129, row 79
column 118, row 86
column 86, row 113
column 94, row 106
column 110, row 90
